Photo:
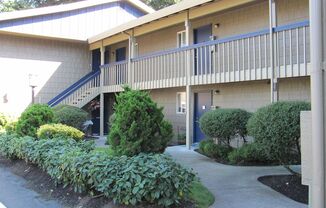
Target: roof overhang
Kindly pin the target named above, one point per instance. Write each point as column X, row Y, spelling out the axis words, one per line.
column 169, row 16
column 3, row 32
column 69, row 7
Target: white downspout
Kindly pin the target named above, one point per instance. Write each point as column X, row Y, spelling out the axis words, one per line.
column 318, row 165
column 274, row 75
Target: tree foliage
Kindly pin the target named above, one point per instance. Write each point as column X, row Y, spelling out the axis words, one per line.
column 138, row 125
column 13, row 5
column 160, row 4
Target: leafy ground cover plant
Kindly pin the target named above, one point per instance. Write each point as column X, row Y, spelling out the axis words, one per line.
column 138, row 125
column 152, row 178
column 50, row 131
column 32, row 118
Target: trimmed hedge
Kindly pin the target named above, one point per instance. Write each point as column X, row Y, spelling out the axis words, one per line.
column 32, row 118
column 276, row 128
column 50, row 131
column 224, row 124
column 210, row 149
column 248, row 153
column 151, row 178
column 138, row 125
column 70, row 116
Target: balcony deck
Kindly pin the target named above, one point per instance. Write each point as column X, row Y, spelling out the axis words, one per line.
column 243, row 57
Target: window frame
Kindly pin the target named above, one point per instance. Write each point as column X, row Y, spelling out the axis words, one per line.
column 179, row 41
column 177, row 103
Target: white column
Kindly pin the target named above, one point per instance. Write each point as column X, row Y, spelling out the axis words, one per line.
column 274, row 74
column 317, row 187
column 189, row 94
column 102, row 94
column 132, row 45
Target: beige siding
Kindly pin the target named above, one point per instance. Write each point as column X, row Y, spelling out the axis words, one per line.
column 77, row 24
column 116, row 46
column 234, row 22
column 246, row 95
column 167, row 98
column 56, row 64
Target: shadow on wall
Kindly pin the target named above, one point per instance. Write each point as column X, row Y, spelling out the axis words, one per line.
column 53, row 66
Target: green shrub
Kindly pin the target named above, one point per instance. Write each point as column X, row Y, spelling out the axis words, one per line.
column 70, row 115
column 50, row 131
column 32, row 118
column 3, row 121
column 209, row 148
column 138, row 125
column 248, row 153
column 224, row 124
column 151, row 178
column 11, row 127
column 276, row 128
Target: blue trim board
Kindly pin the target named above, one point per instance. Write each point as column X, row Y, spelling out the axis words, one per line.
column 57, row 99
column 224, row 40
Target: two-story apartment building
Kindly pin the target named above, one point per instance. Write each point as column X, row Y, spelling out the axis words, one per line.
column 199, row 55
column 47, row 47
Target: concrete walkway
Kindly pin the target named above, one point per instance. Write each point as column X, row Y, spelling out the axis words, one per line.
column 232, row 186
column 14, row 194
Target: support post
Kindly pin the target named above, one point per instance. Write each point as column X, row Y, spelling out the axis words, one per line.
column 274, row 74
column 101, row 93
column 189, row 100
column 132, row 44
column 317, row 187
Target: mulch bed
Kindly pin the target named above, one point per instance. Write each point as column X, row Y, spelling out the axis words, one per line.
column 288, row 185
column 40, row 182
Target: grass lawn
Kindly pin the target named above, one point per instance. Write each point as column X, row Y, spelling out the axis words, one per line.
column 200, row 195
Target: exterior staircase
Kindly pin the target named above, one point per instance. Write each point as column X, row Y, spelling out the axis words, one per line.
column 81, row 92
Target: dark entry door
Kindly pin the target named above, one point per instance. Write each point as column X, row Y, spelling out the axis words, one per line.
column 202, row 54
column 120, row 54
column 96, row 121
column 96, row 59
column 203, row 102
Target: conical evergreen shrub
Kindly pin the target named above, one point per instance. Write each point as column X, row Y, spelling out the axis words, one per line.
column 138, row 125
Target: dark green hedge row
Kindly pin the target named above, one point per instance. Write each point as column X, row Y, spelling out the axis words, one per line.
column 150, row 178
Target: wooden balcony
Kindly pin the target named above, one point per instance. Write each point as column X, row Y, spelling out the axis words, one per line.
column 243, row 57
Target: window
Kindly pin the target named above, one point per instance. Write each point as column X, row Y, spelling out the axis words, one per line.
column 181, row 37
column 181, row 102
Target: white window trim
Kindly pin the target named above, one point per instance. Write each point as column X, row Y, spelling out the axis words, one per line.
column 177, row 107
column 178, row 42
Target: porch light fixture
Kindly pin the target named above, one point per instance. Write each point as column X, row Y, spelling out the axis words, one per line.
column 217, row 25
column 32, row 83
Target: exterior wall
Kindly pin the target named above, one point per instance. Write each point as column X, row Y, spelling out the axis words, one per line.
column 112, row 49
column 167, row 98
column 57, row 65
column 234, row 22
column 77, row 24
column 246, row 95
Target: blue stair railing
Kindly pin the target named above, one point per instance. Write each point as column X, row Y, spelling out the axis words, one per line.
column 74, row 87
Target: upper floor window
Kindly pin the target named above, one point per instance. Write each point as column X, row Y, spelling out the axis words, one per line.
column 181, row 102
column 181, row 37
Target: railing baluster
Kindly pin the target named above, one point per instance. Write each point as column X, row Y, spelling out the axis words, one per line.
column 298, row 51
column 304, row 51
